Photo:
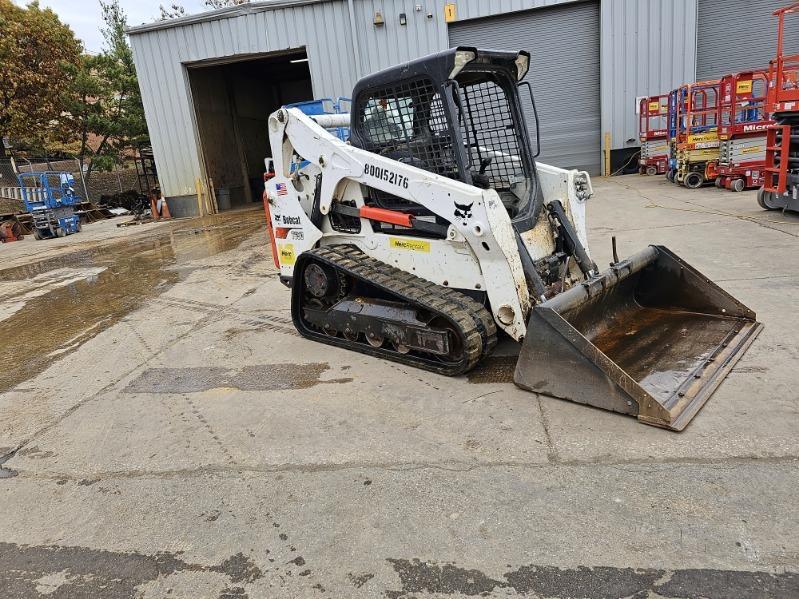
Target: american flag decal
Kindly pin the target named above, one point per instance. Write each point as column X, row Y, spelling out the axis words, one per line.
column 281, row 189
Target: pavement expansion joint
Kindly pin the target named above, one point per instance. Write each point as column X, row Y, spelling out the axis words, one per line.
column 655, row 466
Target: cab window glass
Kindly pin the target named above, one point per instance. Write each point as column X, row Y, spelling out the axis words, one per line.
column 388, row 120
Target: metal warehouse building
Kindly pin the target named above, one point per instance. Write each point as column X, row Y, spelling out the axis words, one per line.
column 210, row 81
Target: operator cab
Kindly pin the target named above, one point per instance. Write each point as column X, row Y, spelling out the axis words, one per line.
column 457, row 114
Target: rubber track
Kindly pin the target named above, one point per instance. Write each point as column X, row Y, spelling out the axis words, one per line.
column 478, row 331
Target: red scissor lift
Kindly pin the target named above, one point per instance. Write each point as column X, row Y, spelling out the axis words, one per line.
column 743, row 122
column 653, row 131
column 781, row 187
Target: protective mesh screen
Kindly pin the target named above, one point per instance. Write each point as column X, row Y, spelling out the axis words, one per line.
column 488, row 129
column 406, row 122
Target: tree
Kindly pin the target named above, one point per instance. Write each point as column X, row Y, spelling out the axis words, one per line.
column 224, row 3
column 35, row 49
column 176, row 10
column 119, row 122
column 83, row 106
column 173, row 12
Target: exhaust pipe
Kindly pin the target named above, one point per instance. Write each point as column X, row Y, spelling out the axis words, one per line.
column 650, row 337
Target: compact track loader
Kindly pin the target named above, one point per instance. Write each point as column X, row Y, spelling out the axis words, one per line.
column 434, row 230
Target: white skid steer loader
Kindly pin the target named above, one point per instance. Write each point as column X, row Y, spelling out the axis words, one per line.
column 434, row 228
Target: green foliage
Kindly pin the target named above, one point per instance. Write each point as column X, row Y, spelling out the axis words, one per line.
column 35, row 50
column 83, row 106
column 103, row 116
column 120, row 120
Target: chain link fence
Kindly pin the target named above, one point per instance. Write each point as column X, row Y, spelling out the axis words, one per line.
column 91, row 186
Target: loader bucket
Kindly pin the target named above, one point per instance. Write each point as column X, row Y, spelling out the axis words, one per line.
column 650, row 337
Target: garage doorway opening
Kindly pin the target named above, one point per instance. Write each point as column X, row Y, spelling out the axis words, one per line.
column 232, row 103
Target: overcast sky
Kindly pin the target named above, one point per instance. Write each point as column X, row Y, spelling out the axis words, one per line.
column 83, row 16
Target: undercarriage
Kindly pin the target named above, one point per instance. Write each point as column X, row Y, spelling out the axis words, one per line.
column 344, row 298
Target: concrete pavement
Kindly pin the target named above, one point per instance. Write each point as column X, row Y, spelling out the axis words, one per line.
column 177, row 438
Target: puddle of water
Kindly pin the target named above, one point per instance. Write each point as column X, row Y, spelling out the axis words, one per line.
column 494, row 369
column 266, row 377
column 125, row 275
column 15, row 294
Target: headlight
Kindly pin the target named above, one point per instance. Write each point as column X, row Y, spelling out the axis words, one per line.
column 522, row 65
column 462, row 58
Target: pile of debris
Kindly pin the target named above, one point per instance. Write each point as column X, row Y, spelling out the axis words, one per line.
column 10, row 230
column 134, row 202
column 14, row 218
column 11, row 206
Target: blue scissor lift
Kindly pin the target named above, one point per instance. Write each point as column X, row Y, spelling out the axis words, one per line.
column 50, row 198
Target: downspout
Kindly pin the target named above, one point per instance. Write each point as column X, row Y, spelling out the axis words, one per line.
column 355, row 46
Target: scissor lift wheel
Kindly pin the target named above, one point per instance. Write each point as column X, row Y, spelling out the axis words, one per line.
column 694, row 180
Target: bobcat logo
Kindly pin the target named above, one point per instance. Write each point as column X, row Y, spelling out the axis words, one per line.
column 463, row 211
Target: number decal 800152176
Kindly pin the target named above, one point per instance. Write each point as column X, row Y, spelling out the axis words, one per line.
column 386, row 175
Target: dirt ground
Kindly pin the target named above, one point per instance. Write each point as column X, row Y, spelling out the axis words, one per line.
column 166, row 433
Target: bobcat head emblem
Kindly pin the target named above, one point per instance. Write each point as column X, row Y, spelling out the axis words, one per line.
column 463, row 210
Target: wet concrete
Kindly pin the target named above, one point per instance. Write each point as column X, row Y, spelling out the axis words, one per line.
column 52, row 322
column 270, row 377
column 63, row 572
column 417, row 577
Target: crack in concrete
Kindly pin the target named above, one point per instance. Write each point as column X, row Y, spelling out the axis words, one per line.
column 768, row 278
column 652, row 228
column 552, row 452
column 706, row 210
column 452, row 466
column 753, row 219
column 210, row 318
column 7, row 472
column 195, row 410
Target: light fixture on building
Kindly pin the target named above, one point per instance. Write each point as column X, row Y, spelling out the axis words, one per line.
column 418, row 8
column 378, row 20
column 297, row 60
column 403, row 19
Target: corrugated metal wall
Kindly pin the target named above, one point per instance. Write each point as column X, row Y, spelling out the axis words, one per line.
column 160, row 55
column 564, row 74
column 392, row 43
column 720, row 53
column 648, row 47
